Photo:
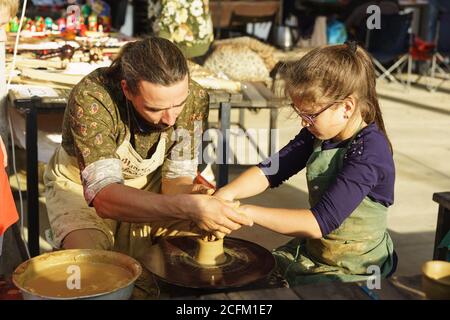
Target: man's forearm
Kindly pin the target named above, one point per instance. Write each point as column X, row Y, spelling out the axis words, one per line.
column 123, row 203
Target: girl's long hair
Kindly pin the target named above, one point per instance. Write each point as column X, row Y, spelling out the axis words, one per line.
column 332, row 73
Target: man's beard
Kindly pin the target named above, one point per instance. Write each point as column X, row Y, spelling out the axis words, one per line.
column 146, row 126
column 158, row 126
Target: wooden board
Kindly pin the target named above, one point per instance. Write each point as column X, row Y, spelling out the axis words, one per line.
column 36, row 63
column 20, row 80
column 263, row 90
column 215, row 296
column 253, row 95
column 51, row 76
column 401, row 288
column 217, row 96
column 331, row 291
column 265, row 294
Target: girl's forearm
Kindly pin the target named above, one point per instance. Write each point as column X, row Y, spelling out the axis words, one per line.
column 250, row 183
column 291, row 222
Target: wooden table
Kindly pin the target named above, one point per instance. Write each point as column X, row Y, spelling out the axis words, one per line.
column 443, row 224
column 31, row 107
column 221, row 10
column 401, row 288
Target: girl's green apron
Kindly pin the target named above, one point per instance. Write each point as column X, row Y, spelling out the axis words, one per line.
column 344, row 254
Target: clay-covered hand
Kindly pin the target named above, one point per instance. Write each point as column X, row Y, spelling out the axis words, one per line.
column 224, row 195
column 201, row 189
column 217, row 217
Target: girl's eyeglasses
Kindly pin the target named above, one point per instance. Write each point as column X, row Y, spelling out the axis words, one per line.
column 310, row 118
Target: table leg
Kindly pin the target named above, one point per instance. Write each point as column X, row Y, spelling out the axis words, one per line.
column 442, row 227
column 223, row 150
column 415, row 24
column 20, row 243
column 273, row 137
column 32, row 178
column 241, row 117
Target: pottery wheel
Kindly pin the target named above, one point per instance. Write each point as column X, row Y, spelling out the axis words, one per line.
column 171, row 261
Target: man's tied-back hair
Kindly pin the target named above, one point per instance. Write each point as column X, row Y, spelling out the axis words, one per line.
column 153, row 59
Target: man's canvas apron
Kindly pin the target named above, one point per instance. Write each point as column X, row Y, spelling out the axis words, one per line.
column 346, row 253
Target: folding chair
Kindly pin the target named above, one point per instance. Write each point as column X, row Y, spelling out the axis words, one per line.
column 390, row 46
column 440, row 67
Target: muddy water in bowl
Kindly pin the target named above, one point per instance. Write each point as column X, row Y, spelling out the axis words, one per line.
column 80, row 274
column 94, row 278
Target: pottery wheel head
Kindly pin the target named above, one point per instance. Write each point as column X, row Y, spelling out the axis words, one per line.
column 245, row 262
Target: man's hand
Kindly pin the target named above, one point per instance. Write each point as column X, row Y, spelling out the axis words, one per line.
column 5, row 156
column 201, row 189
column 217, row 216
column 183, row 185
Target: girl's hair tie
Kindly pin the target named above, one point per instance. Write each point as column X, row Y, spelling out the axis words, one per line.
column 351, row 45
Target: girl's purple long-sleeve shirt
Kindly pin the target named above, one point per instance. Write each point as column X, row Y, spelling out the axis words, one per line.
column 368, row 170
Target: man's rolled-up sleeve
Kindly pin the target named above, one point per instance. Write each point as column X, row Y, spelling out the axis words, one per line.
column 98, row 175
column 173, row 169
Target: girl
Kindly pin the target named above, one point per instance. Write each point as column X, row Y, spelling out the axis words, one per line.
column 349, row 170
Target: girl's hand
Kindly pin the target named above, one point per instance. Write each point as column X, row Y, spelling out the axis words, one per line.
column 224, row 195
column 246, row 210
column 216, row 216
column 201, row 189
column 184, row 185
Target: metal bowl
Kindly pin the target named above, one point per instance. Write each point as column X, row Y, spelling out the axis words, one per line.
column 436, row 279
column 48, row 262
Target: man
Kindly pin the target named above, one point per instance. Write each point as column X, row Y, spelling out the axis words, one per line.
column 121, row 148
